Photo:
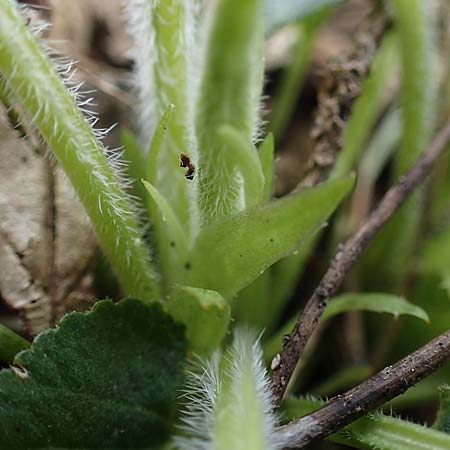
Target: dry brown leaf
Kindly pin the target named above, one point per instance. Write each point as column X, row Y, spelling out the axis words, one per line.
column 46, row 242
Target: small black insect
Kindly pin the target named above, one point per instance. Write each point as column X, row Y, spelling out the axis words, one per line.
column 185, row 161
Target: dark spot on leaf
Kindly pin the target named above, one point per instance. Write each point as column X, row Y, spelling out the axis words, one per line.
column 187, row 266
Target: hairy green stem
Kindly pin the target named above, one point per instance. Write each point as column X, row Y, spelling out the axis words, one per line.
column 32, row 79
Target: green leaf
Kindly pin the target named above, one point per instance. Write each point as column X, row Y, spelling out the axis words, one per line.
column 443, row 417
column 10, row 344
column 242, row 154
column 375, row 302
column 229, row 255
column 205, row 314
column 164, row 33
column 172, row 242
column 230, row 89
column 156, row 146
column 281, row 12
column 375, row 430
column 252, row 305
column 107, row 379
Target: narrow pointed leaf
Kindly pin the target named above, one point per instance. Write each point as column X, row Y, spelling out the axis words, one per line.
column 229, row 255
column 371, row 302
column 172, row 237
column 375, row 302
column 156, row 145
column 205, row 314
column 244, row 157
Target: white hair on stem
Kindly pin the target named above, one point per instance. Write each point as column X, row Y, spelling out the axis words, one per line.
column 65, row 66
column 78, row 139
column 139, row 22
column 228, row 402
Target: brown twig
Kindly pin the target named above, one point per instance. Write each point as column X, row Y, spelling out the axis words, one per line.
column 345, row 259
column 369, row 395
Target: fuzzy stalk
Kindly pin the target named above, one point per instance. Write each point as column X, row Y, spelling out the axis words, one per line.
column 229, row 95
column 163, row 51
column 34, row 82
column 230, row 402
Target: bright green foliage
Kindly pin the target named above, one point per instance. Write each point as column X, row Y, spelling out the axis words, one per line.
column 376, row 430
column 227, row 97
column 173, row 242
column 376, row 302
column 170, row 22
column 254, row 303
column 157, row 145
column 107, row 380
column 32, row 80
column 443, row 417
column 230, row 254
column 243, row 154
column 205, row 314
column 162, row 34
column 10, row 344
